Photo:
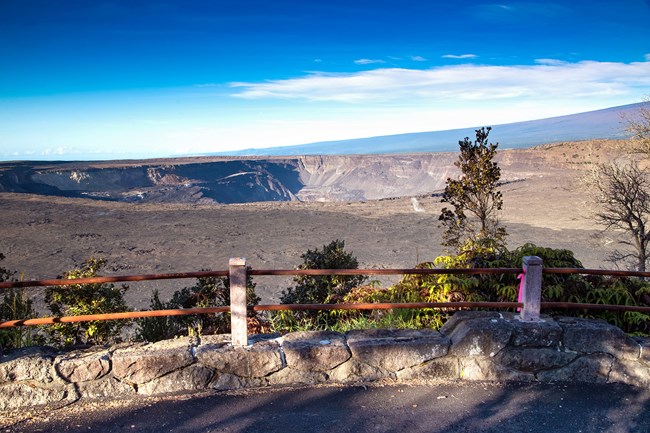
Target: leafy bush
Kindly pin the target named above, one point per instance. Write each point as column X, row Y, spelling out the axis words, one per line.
column 328, row 289
column 207, row 292
column 83, row 299
column 154, row 329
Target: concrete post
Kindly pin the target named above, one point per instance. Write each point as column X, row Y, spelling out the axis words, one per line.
column 238, row 329
column 532, row 288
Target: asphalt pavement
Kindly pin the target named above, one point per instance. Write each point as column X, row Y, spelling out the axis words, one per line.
column 449, row 407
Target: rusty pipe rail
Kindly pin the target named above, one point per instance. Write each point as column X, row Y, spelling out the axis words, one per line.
column 112, row 316
column 266, row 307
column 258, row 272
column 304, row 307
column 113, row 279
column 312, row 272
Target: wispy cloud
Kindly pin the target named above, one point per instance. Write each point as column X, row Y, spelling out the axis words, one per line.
column 520, row 10
column 550, row 62
column 547, row 80
column 459, row 56
column 418, row 59
column 647, row 57
column 368, row 61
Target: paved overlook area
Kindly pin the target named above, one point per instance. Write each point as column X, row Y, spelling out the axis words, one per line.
column 459, row 407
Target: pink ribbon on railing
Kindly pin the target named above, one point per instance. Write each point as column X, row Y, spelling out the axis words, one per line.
column 520, row 298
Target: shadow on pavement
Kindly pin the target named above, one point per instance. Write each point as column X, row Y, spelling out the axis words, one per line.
column 457, row 407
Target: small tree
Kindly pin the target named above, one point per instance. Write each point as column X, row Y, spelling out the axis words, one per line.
column 622, row 194
column 638, row 127
column 82, row 299
column 475, row 197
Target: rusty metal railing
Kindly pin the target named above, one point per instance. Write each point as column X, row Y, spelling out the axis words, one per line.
column 531, row 293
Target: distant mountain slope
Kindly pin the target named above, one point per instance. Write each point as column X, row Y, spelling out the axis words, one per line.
column 605, row 123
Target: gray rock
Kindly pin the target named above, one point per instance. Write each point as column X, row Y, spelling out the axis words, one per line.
column 447, row 368
column 30, row 363
column 589, row 368
column 598, row 336
column 533, row 360
column 461, row 316
column 354, row 370
column 480, row 337
column 546, row 333
column 192, row 378
column 397, row 349
column 260, row 359
column 229, row 381
column 630, row 372
column 22, row 395
column 315, row 351
column 290, row 376
column 484, row 368
column 83, row 366
column 144, row 362
column 107, row 387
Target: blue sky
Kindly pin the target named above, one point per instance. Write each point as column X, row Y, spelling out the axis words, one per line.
column 120, row 79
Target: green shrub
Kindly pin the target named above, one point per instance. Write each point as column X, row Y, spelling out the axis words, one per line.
column 83, row 299
column 502, row 288
column 327, row 289
column 154, row 329
column 16, row 306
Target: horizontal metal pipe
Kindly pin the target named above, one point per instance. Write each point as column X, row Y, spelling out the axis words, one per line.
column 277, row 272
column 325, row 272
column 312, row 272
column 299, row 307
column 386, row 306
column 112, row 316
column 114, row 279
column 603, row 272
column 610, row 307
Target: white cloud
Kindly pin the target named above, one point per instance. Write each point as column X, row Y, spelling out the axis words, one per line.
column 459, row 56
column 647, row 57
column 551, row 81
column 418, row 59
column 368, row 61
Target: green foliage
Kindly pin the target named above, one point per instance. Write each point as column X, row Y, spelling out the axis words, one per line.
column 206, row 292
column 16, row 306
column 324, row 289
column 499, row 288
column 319, row 289
column 83, row 299
column 154, row 329
column 475, row 197
column 567, row 288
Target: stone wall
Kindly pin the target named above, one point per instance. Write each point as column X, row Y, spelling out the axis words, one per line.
column 471, row 346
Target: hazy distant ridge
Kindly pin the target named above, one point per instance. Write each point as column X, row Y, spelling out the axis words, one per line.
column 606, row 123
